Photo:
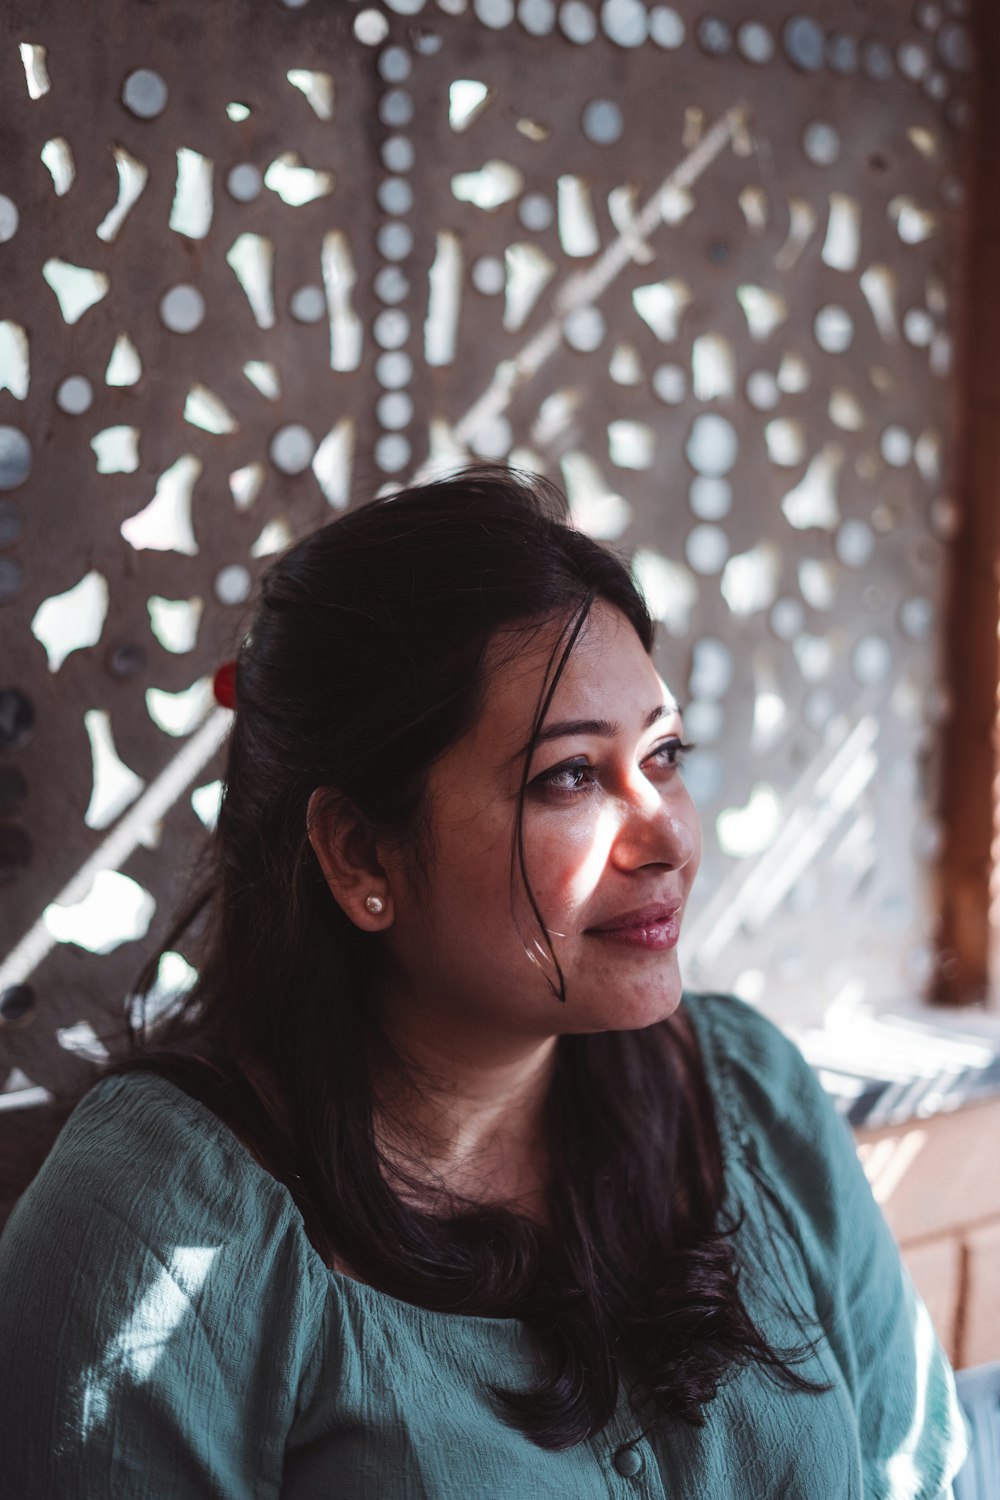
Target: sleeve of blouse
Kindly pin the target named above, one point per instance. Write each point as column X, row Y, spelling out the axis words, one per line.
column 912, row 1432
column 156, row 1302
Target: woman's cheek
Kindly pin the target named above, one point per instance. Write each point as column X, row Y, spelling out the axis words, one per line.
column 566, row 857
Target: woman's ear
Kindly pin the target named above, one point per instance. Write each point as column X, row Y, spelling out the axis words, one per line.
column 347, row 852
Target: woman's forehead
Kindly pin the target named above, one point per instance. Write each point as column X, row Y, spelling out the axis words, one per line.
column 607, row 674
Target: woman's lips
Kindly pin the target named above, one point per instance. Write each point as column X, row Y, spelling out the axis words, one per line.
column 656, row 927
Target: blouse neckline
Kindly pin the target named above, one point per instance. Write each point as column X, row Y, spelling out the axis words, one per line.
column 363, row 1291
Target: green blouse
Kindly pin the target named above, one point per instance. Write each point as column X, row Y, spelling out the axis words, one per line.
column 167, row 1331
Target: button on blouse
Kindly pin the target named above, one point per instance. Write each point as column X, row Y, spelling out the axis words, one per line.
column 628, row 1461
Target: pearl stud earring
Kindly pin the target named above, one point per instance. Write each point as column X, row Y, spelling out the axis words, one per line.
column 375, row 905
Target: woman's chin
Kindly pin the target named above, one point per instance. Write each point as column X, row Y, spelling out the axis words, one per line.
column 631, row 1011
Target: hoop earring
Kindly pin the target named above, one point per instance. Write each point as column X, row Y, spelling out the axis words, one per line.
column 375, row 905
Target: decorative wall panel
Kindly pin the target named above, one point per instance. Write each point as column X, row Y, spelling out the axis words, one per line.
column 261, row 260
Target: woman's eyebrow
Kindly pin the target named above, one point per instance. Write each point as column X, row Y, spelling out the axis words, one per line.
column 603, row 728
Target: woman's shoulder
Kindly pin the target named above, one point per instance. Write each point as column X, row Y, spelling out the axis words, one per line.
column 777, row 1120
column 741, row 1041
column 154, row 1268
column 141, row 1155
column 755, row 1071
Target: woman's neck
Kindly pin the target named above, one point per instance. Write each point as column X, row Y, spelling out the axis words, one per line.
column 468, row 1120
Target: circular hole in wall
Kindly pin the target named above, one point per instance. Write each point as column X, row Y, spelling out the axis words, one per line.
column 603, row 122
column 8, row 219
column 75, row 395
column 144, row 94
column 182, row 309
column 15, row 457
column 292, row 448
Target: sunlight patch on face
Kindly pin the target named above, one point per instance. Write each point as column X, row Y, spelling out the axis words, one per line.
column 669, row 696
column 588, row 875
column 132, row 1355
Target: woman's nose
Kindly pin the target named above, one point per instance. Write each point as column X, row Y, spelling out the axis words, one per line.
column 658, row 826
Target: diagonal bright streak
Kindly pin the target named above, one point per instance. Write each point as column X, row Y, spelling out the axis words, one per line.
column 158, row 798
column 813, row 809
column 582, row 289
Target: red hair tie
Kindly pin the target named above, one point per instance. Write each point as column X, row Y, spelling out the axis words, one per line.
column 224, row 685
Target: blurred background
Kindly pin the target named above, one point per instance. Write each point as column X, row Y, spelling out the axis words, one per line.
column 731, row 277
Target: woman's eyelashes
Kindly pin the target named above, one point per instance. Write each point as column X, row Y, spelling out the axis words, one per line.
column 670, row 752
column 570, row 778
column 578, row 776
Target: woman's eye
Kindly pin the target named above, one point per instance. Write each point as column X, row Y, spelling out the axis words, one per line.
column 577, row 776
column 670, row 753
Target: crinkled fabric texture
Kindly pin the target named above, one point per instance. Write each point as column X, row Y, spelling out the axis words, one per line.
column 168, row 1332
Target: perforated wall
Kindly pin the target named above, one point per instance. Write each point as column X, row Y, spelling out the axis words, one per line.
column 259, row 260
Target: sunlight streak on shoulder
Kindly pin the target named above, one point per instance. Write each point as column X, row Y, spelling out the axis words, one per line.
column 132, row 1354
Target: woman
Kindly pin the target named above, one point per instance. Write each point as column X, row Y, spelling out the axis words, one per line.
column 435, row 1186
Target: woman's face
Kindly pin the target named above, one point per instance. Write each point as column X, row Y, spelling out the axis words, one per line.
column 611, row 840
